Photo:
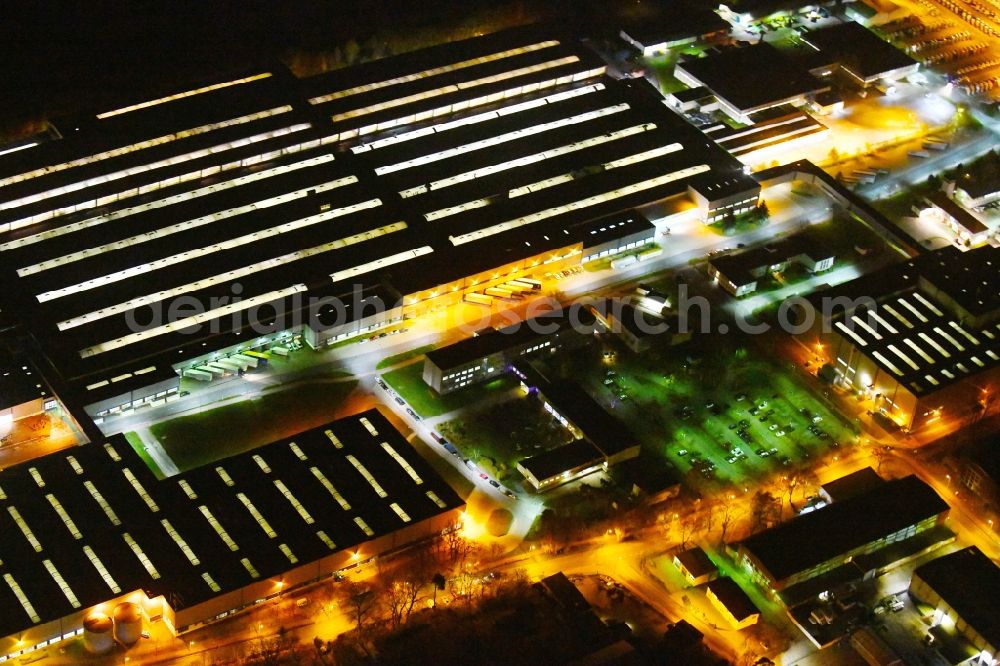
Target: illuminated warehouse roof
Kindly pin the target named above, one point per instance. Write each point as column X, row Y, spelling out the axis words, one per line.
column 503, row 148
column 935, row 319
column 85, row 524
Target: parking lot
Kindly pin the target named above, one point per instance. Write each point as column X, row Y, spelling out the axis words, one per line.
column 714, row 408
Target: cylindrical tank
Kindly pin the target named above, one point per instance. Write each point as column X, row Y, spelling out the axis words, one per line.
column 128, row 623
column 97, row 633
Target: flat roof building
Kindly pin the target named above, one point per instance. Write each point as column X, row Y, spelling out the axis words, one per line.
column 861, row 53
column 820, row 541
column 374, row 183
column 852, row 485
column 673, row 24
column 750, row 79
column 739, row 272
column 488, row 353
column 87, row 525
column 963, row 588
column 920, row 340
column 732, row 602
column 595, row 431
column 695, row 566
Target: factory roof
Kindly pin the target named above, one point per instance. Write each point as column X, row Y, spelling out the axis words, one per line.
column 853, row 484
column 969, row 582
column 87, row 523
column 578, row 453
column 739, row 266
column 20, row 382
column 232, row 200
column 733, row 598
column 675, row 21
column 858, row 50
column 819, row 536
column 752, row 77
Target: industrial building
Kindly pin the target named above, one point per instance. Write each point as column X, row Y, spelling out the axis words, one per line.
column 638, row 329
column 600, row 439
column 157, row 238
column 90, row 528
column 843, row 534
column 739, row 272
column 489, row 353
column 919, row 340
column 963, row 588
column 979, row 183
column 674, row 24
column 862, row 55
column 695, row 566
column 969, row 229
column 23, row 393
column 751, row 79
column 732, row 602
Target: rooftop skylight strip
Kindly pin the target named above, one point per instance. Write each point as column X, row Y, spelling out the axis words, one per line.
column 188, row 255
column 531, row 159
column 498, row 139
column 151, row 166
column 187, row 225
column 147, row 564
column 580, row 204
column 168, row 200
column 478, row 118
column 22, row 598
column 141, row 145
column 454, row 88
column 235, row 274
column 435, row 71
column 177, row 96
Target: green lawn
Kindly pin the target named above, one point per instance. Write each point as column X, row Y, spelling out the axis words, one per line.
column 408, row 382
column 497, row 436
column 659, row 384
column 140, row 449
column 404, row 356
column 198, row 439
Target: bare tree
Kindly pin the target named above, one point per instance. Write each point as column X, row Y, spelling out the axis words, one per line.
column 730, row 513
column 765, row 509
column 400, row 597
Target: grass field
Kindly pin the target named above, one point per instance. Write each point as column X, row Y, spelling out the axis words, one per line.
column 140, row 449
column 198, row 439
column 404, row 356
column 497, row 436
column 681, row 403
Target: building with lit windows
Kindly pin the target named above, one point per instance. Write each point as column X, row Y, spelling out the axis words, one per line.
column 489, row 353
column 199, row 233
column 90, row 529
column 919, row 340
column 695, row 566
column 739, row 272
column 963, row 589
column 600, row 440
column 845, row 536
